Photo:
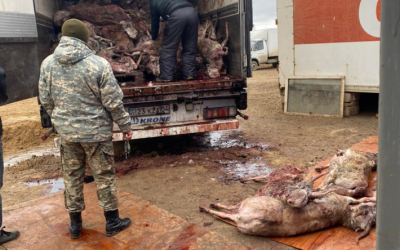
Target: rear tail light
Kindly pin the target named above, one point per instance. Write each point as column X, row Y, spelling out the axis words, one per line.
column 220, row 112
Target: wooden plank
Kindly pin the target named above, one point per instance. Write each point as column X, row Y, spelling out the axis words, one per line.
column 44, row 224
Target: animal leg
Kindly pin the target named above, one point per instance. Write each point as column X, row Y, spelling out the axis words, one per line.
column 223, row 44
column 318, row 176
column 206, row 27
column 320, row 169
column 223, row 207
column 228, row 218
column 318, row 195
column 325, row 184
column 261, row 178
column 363, row 200
column 138, row 62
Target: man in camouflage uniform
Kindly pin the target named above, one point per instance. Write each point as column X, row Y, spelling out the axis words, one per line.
column 82, row 97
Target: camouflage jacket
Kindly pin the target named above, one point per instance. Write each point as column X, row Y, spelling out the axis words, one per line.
column 80, row 93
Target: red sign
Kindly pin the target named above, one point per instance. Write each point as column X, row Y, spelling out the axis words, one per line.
column 336, row 21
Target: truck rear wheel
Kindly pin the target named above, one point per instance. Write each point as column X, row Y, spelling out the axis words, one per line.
column 254, row 65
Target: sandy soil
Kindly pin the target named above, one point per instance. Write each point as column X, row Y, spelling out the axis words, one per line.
column 22, row 127
column 180, row 173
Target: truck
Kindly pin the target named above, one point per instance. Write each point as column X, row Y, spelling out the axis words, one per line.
column 176, row 108
column 264, row 48
column 326, row 40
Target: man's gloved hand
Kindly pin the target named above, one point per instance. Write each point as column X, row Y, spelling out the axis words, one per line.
column 128, row 135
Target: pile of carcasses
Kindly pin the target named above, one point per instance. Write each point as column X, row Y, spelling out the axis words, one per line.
column 120, row 33
column 288, row 205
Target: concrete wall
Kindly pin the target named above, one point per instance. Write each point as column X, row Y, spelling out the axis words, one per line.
column 22, row 52
column 20, row 61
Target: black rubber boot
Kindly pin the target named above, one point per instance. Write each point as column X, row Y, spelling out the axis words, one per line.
column 76, row 225
column 115, row 224
column 7, row 236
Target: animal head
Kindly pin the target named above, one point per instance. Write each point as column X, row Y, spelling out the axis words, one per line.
column 298, row 198
column 154, row 65
column 212, row 72
column 363, row 218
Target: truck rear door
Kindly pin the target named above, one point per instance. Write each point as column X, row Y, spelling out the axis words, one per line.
column 239, row 15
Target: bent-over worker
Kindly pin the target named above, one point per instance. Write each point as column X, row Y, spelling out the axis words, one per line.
column 82, row 97
column 182, row 25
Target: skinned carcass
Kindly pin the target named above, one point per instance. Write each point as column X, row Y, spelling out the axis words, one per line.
column 99, row 15
column 118, row 36
column 153, row 66
column 121, row 28
column 291, row 184
column 120, row 64
column 211, row 50
column 267, row 216
column 349, row 172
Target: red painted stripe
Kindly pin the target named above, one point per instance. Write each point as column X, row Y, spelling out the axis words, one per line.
column 327, row 21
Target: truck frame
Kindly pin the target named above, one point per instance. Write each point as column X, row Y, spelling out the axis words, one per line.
column 156, row 109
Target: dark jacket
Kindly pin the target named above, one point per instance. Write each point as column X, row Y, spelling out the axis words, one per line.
column 163, row 8
column 3, row 86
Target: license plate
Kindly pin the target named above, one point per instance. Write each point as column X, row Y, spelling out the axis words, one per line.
column 156, row 110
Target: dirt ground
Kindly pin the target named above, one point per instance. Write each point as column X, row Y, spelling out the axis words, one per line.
column 180, row 173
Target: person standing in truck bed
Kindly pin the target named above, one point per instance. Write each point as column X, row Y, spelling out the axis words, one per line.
column 82, row 97
column 4, row 235
column 182, row 25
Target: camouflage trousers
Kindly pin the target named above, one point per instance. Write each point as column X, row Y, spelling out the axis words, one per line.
column 100, row 158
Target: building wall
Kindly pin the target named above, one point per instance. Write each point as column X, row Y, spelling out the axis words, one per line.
column 26, row 37
column 22, row 69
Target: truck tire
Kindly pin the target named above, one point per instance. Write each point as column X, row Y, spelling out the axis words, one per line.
column 254, row 65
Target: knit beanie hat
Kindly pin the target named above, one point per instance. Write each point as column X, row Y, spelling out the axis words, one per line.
column 75, row 28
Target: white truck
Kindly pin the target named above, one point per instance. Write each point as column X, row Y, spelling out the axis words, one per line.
column 26, row 32
column 330, row 39
column 264, row 48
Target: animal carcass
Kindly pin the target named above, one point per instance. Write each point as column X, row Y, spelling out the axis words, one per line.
column 349, row 172
column 212, row 51
column 267, row 216
column 291, row 184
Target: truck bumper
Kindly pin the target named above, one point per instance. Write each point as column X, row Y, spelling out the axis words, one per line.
column 181, row 129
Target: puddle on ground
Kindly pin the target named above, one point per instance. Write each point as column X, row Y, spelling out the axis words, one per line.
column 55, row 184
column 228, row 139
column 15, row 159
column 236, row 170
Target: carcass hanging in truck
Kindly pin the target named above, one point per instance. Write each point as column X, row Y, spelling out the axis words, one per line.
column 119, row 32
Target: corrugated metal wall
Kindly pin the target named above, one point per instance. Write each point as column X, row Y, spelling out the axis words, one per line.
column 17, row 25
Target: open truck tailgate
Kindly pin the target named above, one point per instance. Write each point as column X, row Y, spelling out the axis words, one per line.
column 177, row 108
